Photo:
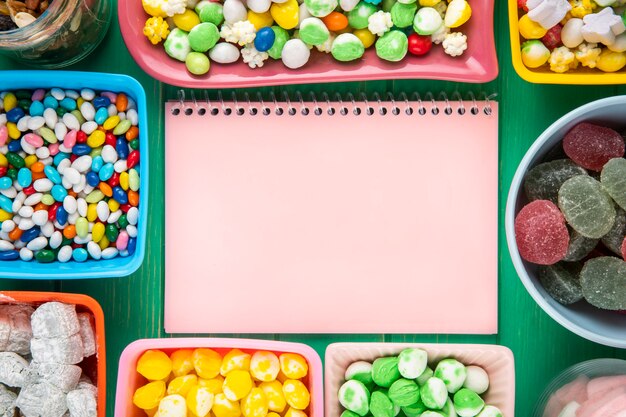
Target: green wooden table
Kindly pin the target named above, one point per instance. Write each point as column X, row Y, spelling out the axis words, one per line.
column 133, row 306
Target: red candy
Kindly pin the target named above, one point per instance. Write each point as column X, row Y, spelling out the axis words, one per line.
column 133, row 159
column 29, row 190
column 109, row 139
column 552, row 38
column 81, row 137
column 521, row 4
column 3, row 171
column 114, row 181
column 540, row 231
column 591, row 146
column 419, row 45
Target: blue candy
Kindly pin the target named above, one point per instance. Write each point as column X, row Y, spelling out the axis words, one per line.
column 96, row 163
column 106, row 172
column 50, row 103
column 59, row 157
column 81, row 149
column 80, row 255
column 6, row 204
column 30, row 234
column 25, row 177
column 119, row 195
column 9, row 255
column 5, row 183
column 68, row 104
column 61, row 215
column 58, row 192
column 101, row 101
column 92, row 178
column 15, row 114
column 101, row 115
column 121, row 147
column 15, row 146
column 264, row 39
column 132, row 245
column 36, row 108
column 52, row 174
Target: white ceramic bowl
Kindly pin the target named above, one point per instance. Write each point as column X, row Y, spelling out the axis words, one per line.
column 605, row 327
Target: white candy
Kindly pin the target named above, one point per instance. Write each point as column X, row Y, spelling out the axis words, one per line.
column 87, row 94
column 114, row 217
column 620, row 43
column 109, row 253
column 122, row 115
column 7, row 402
column 132, row 116
column 65, row 350
column 490, row 411
column 71, row 122
column 41, row 400
column 55, row 319
column 295, row 54
column 85, row 383
column 40, row 217
column 82, row 207
column 259, row 6
column 88, row 111
column 36, row 122
column 26, row 224
column 348, row 5
column 132, row 216
column 70, row 205
column 452, row 372
column 63, row 377
column 120, row 166
column 72, row 94
column 56, row 239
column 81, row 184
column 22, row 124
column 570, row 409
column 26, row 254
column 13, row 369
column 64, row 164
column 477, row 379
column 87, row 332
column 82, row 163
column 47, row 229
column 43, row 185
column 9, row 192
column 103, row 210
column 3, row 119
column 234, row 11
column 27, row 147
column 65, row 254
column 131, row 230
column 37, row 243
column 51, row 117
column 71, row 175
column 21, row 332
column 94, row 251
column 82, row 403
column 112, row 110
column 60, row 130
column 303, row 13
column 547, row 12
column 172, row 405
column 26, row 211
column 23, row 19
column 81, row 240
column 42, row 153
column 5, row 245
column 57, row 93
column 602, row 27
column 224, row 53
column 412, row 363
column 7, row 226
column 109, row 154
column 33, row 199
column 88, row 189
column 89, row 127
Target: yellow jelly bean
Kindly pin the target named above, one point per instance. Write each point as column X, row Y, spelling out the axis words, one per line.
column 30, row 160
column 151, row 412
column 92, row 214
column 272, row 414
column 149, row 396
column 529, row 29
column 286, row 14
column 96, row 139
column 237, row 384
column 610, row 61
column 5, row 216
column 214, row 385
column 206, row 362
column 124, row 181
column 235, row 359
column 200, row 401
column 182, row 362
column 10, row 102
column 264, row 366
column 182, row 384
column 294, row 366
column 154, row 365
column 254, row 404
column 292, row 412
column 14, row 133
column 186, row 21
column 260, row 20
column 152, row 8
column 223, row 407
column 113, row 205
column 365, row 36
column 111, row 122
column 97, row 232
column 296, row 394
column 104, row 243
column 3, row 161
column 172, row 406
column 274, row 393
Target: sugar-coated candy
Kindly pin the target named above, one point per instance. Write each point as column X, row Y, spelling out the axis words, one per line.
column 402, row 15
column 87, row 334
column 425, row 376
column 358, row 17
column 412, row 362
column 613, row 179
column 467, row 403
column 414, row 410
column 381, row 405
column 154, row 365
column 354, row 396
column 434, row 393
column 347, row 47
column 540, row 233
column 431, row 413
column 203, row 37
column 320, row 8
column 14, row 370
column 235, row 359
column 82, row 403
column 476, row 380
column 602, row 27
column 172, row 406
column 293, row 365
column 41, row 400
column 448, row 409
column 592, row 146
column 586, row 206
column 579, row 246
column 392, row 46
column 198, row 64
column 543, row 181
column 603, row 282
column 547, row 12
column 64, row 377
column 264, row 366
column 65, row 350
column 562, row 281
column 177, row 44
column 273, row 391
column 361, row 371
column 614, row 238
column 7, row 402
column 210, row 12
column 55, row 319
column 20, row 334
column 385, row 371
column 237, row 384
column 223, row 407
column 292, row 412
column 452, row 373
column 404, row 392
column 295, row 53
column 490, row 411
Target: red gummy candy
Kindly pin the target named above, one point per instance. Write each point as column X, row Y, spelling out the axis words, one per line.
column 540, row 232
column 521, row 4
column 591, row 146
column 552, row 38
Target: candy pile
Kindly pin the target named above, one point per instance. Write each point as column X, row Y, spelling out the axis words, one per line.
column 285, row 30
column 55, row 339
column 405, row 383
column 575, row 225
column 17, row 14
column 598, row 397
column 569, row 34
column 201, row 381
column 69, row 175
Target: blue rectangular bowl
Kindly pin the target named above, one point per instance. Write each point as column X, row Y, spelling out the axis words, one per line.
column 74, row 80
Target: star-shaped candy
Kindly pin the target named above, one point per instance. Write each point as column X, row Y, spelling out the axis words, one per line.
column 547, row 12
column 602, row 27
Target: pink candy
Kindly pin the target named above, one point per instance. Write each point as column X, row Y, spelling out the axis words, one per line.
column 540, row 231
column 38, row 95
column 122, row 241
column 53, row 148
column 33, row 139
column 591, row 146
column 110, row 96
column 70, row 139
column 4, row 135
column 599, row 397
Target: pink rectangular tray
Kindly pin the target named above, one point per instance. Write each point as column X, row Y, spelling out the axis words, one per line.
column 478, row 64
column 496, row 360
column 128, row 379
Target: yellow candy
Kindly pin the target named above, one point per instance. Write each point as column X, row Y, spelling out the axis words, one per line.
column 274, row 393
column 96, row 139
column 214, row 385
column 529, row 29
column 149, row 396
column 428, row 3
column 10, row 102
column 97, row 232
column 111, row 122
column 610, row 61
column 113, row 205
column 104, row 243
column 272, row 414
column 286, row 14
column 457, row 13
column 79, row 102
column 296, row 394
column 186, row 21
column 156, row 29
column 92, row 214
column 365, row 36
column 182, row 362
column 151, row 412
column 295, row 413
column 3, row 161
column 235, row 359
column 14, row 133
column 294, row 366
column 223, row 407
column 264, row 366
column 260, row 20
column 30, row 160
column 151, row 7
column 237, row 384
column 124, row 184
column 182, row 384
column 5, row 216
column 172, row 406
column 255, row 404
column 154, row 365
column 200, row 401
column 206, row 362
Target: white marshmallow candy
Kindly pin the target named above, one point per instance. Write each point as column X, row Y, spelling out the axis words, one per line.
column 65, row 350
column 55, row 319
column 63, row 377
column 13, row 370
column 82, row 403
column 547, row 12
column 476, row 380
column 7, row 402
column 602, row 27
column 41, row 400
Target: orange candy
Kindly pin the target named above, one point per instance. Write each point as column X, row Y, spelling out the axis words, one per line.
column 38, row 175
column 37, row 167
column 106, row 189
column 335, row 21
column 70, row 231
column 122, row 102
column 40, row 206
column 15, row 234
column 133, row 198
column 132, row 133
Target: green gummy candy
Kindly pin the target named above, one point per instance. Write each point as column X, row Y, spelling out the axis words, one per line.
column 197, row 63
column 211, row 13
column 402, row 15
column 562, row 281
column 434, row 393
column 452, row 373
column 320, row 8
column 414, row 410
column 404, row 392
column 603, row 281
column 313, row 31
column 348, row 413
column 381, row 405
column 347, row 47
column 203, row 37
column 281, row 36
column 392, row 46
column 467, row 403
column 360, row 371
column 586, row 206
column 613, row 179
column 355, row 397
column 385, row 371
column 490, row 411
column 177, row 44
column 358, row 17
column 614, row 239
column 425, row 376
column 412, row 363
column 387, row 5
column 579, row 246
column 543, row 181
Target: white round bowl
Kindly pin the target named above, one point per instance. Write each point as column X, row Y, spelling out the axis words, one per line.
column 605, row 327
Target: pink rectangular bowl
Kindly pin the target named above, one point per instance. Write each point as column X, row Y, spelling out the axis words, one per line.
column 496, row 360
column 128, row 380
column 478, row 64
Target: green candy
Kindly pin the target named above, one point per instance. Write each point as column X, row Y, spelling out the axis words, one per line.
column 347, row 47
column 15, row 160
column 562, row 281
column 543, row 181
column 490, row 411
column 111, row 232
column 12, row 173
column 385, row 371
column 203, row 37
column 381, row 405
column 45, row 256
column 122, row 127
column 177, row 44
column 613, row 179
column 431, row 413
column 412, row 363
column 452, row 373
column 448, row 409
column 360, row 371
column 313, row 31
column 47, row 134
column 320, row 8
column 133, row 179
column 434, row 393
column 123, row 221
column 414, row 410
column 404, row 392
column 358, row 17
column 387, row 5
column 392, row 46
column 467, row 403
column 355, row 397
column 614, row 239
column 79, row 116
column 47, row 199
column 134, row 144
column 348, row 413
column 603, row 281
column 402, row 15
column 197, row 63
column 579, row 246
column 210, row 12
column 425, row 376
column 94, row 196
column 281, row 36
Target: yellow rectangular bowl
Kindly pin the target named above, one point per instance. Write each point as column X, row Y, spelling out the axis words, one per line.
column 583, row 76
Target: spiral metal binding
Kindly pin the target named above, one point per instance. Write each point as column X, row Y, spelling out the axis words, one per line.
column 402, row 104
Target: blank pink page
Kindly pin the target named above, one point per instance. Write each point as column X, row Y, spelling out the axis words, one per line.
column 331, row 223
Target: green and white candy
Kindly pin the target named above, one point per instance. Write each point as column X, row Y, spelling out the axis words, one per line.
column 355, row 397
column 385, row 370
column 210, row 12
column 321, row 8
column 414, row 410
column 467, row 403
column 448, row 409
column 392, row 46
column 434, row 393
column 490, row 411
column 412, row 363
column 313, row 31
column 404, row 392
column 348, row 413
column 177, row 44
column 360, row 371
column 477, row 379
column 425, row 376
column 381, row 405
column 281, row 36
column 402, row 15
column 452, row 373
column 431, row 413
column 358, row 17
column 427, row 21
column 347, row 47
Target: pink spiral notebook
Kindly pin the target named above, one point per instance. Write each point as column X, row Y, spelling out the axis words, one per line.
column 331, row 223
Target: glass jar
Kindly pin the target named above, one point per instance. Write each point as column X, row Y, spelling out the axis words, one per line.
column 64, row 34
